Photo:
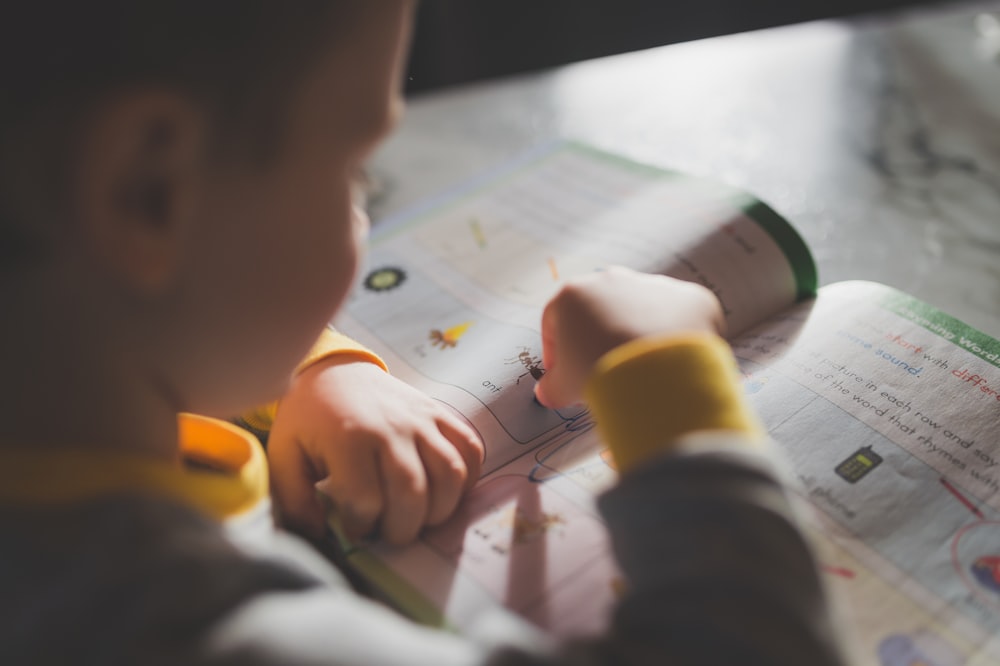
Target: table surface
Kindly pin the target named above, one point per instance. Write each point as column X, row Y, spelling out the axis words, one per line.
column 878, row 138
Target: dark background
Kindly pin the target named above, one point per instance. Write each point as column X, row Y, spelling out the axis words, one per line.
column 458, row 41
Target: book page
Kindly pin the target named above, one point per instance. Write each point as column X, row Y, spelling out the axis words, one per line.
column 451, row 297
column 889, row 412
column 527, row 541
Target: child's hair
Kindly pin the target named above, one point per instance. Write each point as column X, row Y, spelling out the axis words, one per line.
column 58, row 58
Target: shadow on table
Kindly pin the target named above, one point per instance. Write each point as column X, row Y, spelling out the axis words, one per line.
column 459, row 41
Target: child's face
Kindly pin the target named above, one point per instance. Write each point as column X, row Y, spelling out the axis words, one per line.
column 276, row 248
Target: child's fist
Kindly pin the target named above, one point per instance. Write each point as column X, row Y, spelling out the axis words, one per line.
column 390, row 458
column 593, row 314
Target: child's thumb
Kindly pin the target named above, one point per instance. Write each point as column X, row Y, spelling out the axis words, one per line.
column 540, row 395
column 552, row 392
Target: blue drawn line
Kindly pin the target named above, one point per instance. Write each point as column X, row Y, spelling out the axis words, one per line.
column 577, row 424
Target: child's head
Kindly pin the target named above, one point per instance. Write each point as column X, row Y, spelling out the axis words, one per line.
column 174, row 177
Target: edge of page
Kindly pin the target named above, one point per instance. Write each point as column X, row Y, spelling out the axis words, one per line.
column 943, row 325
column 791, row 244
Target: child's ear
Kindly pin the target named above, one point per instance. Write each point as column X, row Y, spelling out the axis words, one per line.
column 136, row 184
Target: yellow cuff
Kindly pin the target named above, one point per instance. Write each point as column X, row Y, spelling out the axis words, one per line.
column 649, row 392
column 330, row 343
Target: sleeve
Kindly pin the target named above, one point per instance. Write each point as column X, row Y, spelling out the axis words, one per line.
column 334, row 343
column 718, row 569
column 648, row 393
column 330, row 343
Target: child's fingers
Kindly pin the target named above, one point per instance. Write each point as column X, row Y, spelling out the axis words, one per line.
column 448, row 475
column 405, row 487
column 543, row 394
column 354, row 486
column 561, row 385
column 467, row 444
column 550, row 389
column 559, row 388
column 292, row 487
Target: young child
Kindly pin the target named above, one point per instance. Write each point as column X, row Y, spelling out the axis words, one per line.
column 175, row 233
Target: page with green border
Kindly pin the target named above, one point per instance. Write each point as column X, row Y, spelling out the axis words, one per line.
column 786, row 237
column 799, row 280
column 944, row 326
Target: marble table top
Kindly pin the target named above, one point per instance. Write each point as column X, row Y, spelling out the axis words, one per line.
column 878, row 138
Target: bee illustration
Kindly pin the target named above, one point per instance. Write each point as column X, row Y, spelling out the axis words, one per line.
column 532, row 364
column 449, row 337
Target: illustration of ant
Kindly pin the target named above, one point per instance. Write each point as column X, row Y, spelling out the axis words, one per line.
column 532, row 364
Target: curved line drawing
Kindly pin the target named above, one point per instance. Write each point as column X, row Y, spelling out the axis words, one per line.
column 965, row 572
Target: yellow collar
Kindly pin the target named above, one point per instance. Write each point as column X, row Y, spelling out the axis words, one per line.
column 73, row 475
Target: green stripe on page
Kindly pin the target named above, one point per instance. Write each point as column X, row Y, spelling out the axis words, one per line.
column 791, row 244
column 945, row 326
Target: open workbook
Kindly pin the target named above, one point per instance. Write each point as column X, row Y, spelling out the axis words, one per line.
column 887, row 409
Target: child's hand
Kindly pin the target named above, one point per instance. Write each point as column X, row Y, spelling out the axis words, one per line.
column 391, row 458
column 592, row 315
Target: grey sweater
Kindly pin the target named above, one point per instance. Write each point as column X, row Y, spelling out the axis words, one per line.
column 718, row 573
